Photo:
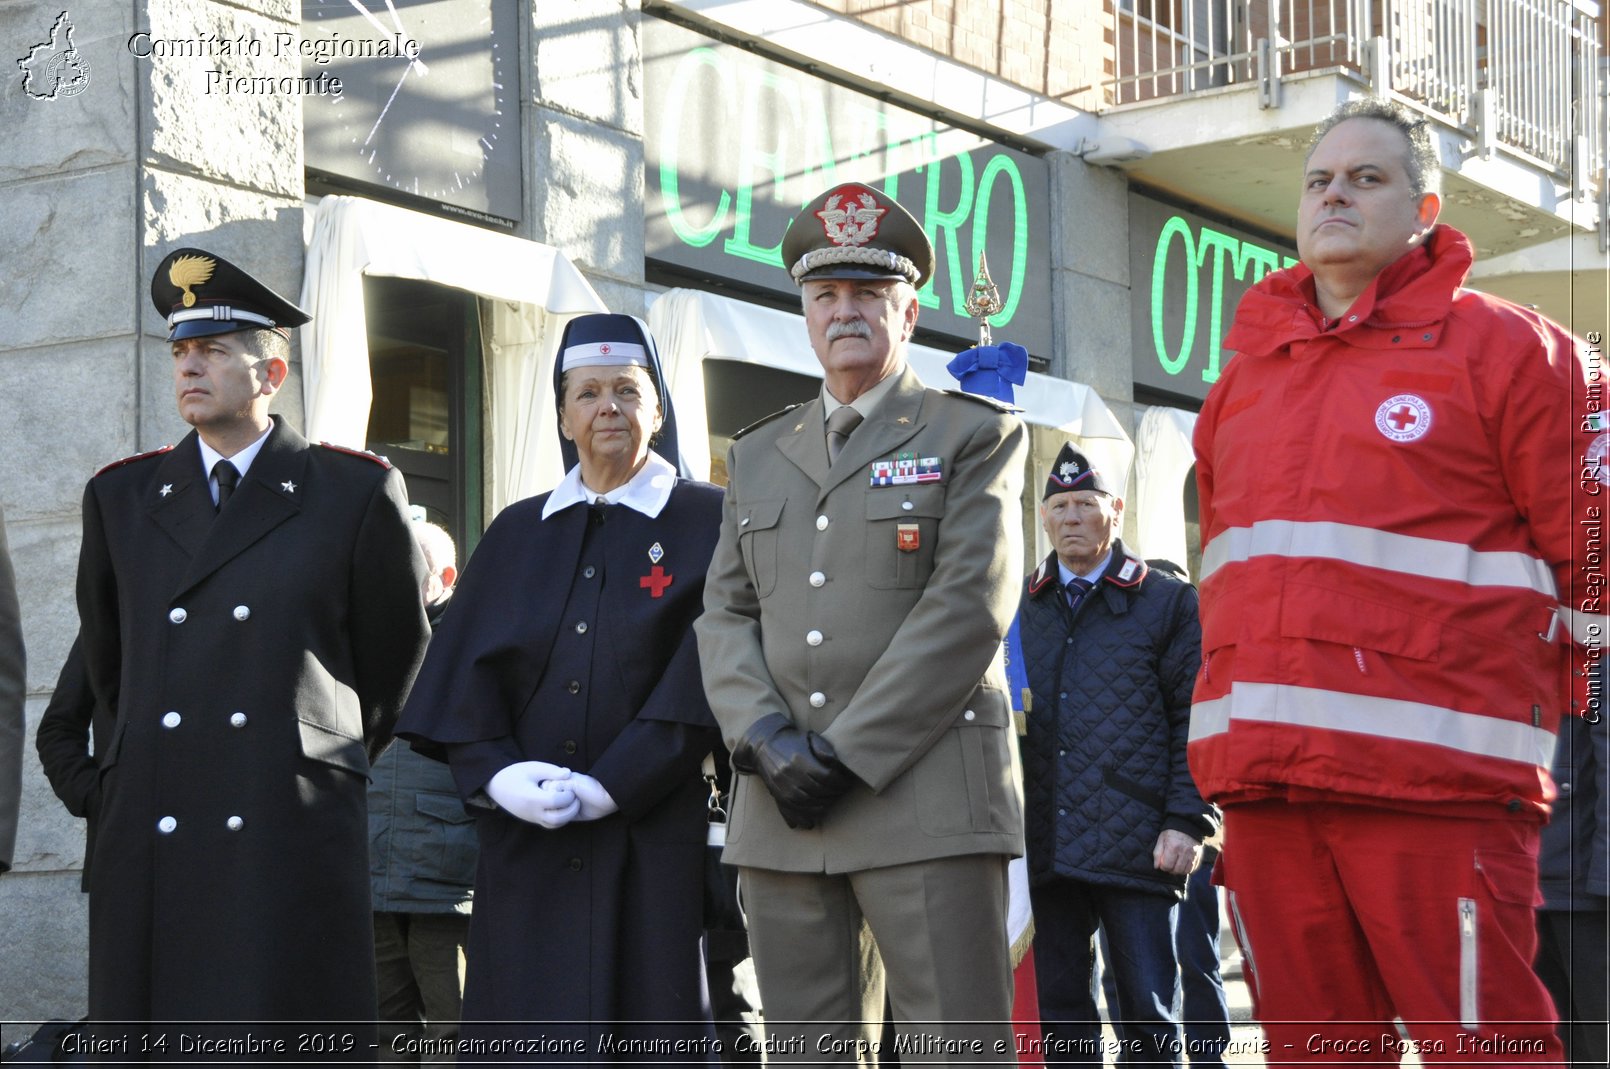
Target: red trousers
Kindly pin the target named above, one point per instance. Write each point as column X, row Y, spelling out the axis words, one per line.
column 1349, row 916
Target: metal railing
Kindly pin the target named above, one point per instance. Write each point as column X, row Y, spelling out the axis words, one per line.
column 1523, row 75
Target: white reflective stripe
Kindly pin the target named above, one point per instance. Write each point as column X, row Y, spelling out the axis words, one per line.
column 1410, row 554
column 1386, row 718
column 1210, row 717
column 1587, row 628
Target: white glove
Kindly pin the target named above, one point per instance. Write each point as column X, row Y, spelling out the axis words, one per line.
column 536, row 792
column 595, row 801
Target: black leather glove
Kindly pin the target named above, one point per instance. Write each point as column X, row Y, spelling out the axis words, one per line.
column 799, row 768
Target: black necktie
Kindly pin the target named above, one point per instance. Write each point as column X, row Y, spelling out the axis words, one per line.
column 228, row 478
column 1076, row 590
column 840, row 425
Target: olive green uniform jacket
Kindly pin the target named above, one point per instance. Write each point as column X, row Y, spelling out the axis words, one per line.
column 874, row 614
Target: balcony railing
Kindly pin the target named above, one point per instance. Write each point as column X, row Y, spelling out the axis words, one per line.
column 1524, row 76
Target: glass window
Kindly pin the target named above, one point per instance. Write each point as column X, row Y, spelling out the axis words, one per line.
column 425, row 365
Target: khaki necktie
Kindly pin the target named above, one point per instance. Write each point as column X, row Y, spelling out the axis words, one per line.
column 840, row 425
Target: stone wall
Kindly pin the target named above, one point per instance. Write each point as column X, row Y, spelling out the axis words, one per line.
column 107, row 162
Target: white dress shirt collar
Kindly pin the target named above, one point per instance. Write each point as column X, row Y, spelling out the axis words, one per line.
column 1093, row 576
column 647, row 491
column 242, row 460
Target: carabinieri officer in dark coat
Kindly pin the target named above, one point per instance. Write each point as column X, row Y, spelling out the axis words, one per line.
column 251, row 619
column 563, row 687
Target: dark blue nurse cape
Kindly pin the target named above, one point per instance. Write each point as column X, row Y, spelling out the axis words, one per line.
column 567, row 643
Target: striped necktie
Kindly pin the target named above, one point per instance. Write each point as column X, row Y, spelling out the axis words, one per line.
column 1075, row 591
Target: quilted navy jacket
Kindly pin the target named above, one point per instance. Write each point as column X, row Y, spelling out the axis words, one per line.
column 1104, row 759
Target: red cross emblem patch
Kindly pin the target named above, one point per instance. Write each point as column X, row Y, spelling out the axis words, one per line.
column 1403, row 418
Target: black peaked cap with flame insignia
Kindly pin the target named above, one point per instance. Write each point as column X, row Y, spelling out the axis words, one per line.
column 200, row 293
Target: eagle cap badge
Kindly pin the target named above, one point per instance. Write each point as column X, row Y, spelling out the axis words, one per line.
column 850, row 216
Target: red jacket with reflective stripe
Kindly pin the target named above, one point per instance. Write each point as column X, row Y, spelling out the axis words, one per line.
column 1388, row 509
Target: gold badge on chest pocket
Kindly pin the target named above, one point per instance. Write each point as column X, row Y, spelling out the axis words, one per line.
column 907, row 537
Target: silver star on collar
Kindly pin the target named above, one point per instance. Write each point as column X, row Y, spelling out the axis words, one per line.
column 288, row 486
column 167, row 488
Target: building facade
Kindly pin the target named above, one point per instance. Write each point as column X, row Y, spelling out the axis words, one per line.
column 489, row 167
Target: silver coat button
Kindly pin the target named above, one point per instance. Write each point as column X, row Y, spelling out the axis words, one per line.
column 813, row 638
column 818, row 700
column 178, row 616
column 167, row 825
column 237, row 720
column 170, row 719
column 581, row 628
column 817, row 579
column 235, row 823
column 907, row 505
column 969, row 715
column 744, row 522
column 243, row 612
column 821, row 523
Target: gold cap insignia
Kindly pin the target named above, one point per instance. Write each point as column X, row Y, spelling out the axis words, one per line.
column 189, row 271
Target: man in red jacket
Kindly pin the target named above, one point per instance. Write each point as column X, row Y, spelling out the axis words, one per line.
column 1389, row 511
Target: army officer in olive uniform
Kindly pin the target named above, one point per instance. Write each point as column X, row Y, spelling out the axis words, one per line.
column 251, row 622
column 851, row 641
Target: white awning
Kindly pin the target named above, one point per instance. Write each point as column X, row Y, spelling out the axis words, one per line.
column 533, row 288
column 692, row 326
column 1161, row 467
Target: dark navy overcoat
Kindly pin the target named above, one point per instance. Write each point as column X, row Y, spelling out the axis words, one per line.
column 247, row 665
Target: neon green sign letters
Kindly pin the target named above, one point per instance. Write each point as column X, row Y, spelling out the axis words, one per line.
column 802, row 159
column 1217, row 251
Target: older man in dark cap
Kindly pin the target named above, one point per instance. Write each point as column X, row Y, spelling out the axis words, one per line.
column 851, row 642
column 250, row 623
column 1115, row 824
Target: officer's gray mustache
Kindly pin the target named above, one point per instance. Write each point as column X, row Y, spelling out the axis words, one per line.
column 849, row 328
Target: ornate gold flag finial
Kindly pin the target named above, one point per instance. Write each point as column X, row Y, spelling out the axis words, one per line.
column 189, row 271
column 984, row 301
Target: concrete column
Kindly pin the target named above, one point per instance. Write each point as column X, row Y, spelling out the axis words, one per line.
column 583, row 109
column 1090, row 290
